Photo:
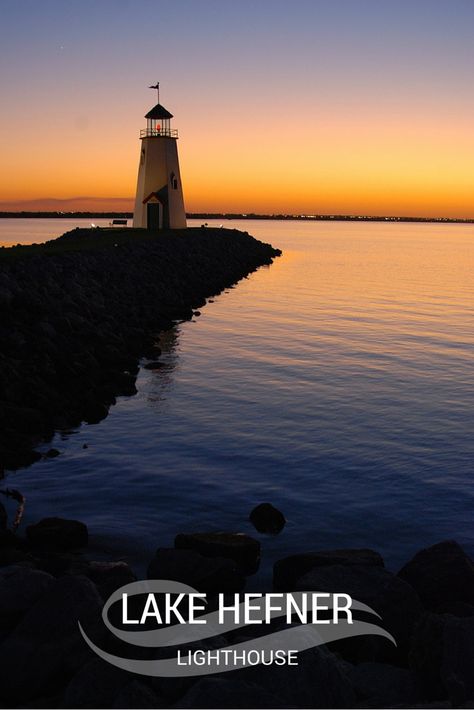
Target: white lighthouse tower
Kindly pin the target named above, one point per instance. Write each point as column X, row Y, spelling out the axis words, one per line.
column 159, row 200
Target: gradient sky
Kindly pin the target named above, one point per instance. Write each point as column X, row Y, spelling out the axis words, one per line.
column 309, row 106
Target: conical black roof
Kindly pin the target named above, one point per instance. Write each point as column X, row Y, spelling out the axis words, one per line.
column 158, row 111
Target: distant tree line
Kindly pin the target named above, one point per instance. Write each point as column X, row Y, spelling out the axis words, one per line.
column 237, row 215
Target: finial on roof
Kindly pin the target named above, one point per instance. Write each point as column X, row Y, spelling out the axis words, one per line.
column 157, row 87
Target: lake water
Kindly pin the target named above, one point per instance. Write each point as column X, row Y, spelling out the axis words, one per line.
column 337, row 384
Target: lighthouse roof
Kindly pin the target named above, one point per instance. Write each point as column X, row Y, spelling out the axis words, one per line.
column 158, row 111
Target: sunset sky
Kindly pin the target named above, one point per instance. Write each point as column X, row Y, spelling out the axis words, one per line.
column 310, row 106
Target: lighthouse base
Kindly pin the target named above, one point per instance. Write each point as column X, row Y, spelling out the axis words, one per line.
column 159, row 202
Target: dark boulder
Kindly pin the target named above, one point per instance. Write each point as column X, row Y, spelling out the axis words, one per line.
column 441, row 574
column 20, row 587
column 137, row 695
column 46, row 647
column 455, row 608
column 288, row 570
column 458, row 659
column 94, row 411
column 267, row 519
column 154, row 365
column 228, row 693
column 441, row 654
column 241, row 548
column 24, row 419
column 393, row 599
column 95, row 685
column 58, row 534
column 52, row 453
column 206, row 574
column 124, row 383
column 107, row 576
column 380, row 685
column 12, row 549
column 318, row 681
column 3, row 517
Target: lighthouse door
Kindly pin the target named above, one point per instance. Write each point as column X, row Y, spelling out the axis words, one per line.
column 154, row 215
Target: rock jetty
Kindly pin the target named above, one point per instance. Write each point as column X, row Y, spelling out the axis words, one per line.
column 79, row 311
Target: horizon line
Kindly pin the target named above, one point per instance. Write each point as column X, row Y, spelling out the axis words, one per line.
column 29, row 213
column 34, row 205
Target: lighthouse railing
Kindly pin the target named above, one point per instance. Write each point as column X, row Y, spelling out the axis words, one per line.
column 158, row 132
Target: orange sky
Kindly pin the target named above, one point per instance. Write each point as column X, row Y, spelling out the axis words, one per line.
column 355, row 124
column 366, row 162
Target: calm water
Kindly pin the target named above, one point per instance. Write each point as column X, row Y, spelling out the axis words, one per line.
column 337, row 384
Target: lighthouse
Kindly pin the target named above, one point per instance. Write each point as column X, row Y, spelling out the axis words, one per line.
column 159, row 202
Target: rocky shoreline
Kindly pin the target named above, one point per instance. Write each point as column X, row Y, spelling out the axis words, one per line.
column 79, row 311
column 48, row 584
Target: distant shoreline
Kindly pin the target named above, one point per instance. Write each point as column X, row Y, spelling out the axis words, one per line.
column 239, row 216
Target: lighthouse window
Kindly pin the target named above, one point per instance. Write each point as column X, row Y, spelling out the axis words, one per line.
column 173, row 181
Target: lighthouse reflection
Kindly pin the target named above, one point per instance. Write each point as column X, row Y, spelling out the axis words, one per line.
column 159, row 372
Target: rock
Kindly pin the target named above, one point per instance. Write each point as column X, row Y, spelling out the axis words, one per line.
column 13, row 556
column 425, row 655
column 319, row 681
column 9, row 539
column 46, row 702
column 52, row 453
column 95, row 685
column 206, row 574
column 441, row 654
column 288, row 570
column 54, row 563
column 46, row 647
column 267, row 519
column 152, row 352
column 107, row 576
column 25, row 419
column 3, row 517
column 137, row 695
column 381, row 685
column 94, row 412
column 20, row 588
column 12, row 549
column 241, row 548
column 457, row 609
column 228, row 693
column 391, row 597
column 441, row 574
column 47, row 329
column 154, row 365
column 457, row 661
column 18, row 454
column 58, row 534
column 124, row 384
column 171, row 689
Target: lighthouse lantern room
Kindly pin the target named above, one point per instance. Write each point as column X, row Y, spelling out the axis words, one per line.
column 159, row 202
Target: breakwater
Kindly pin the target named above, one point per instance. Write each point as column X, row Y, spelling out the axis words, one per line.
column 78, row 312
